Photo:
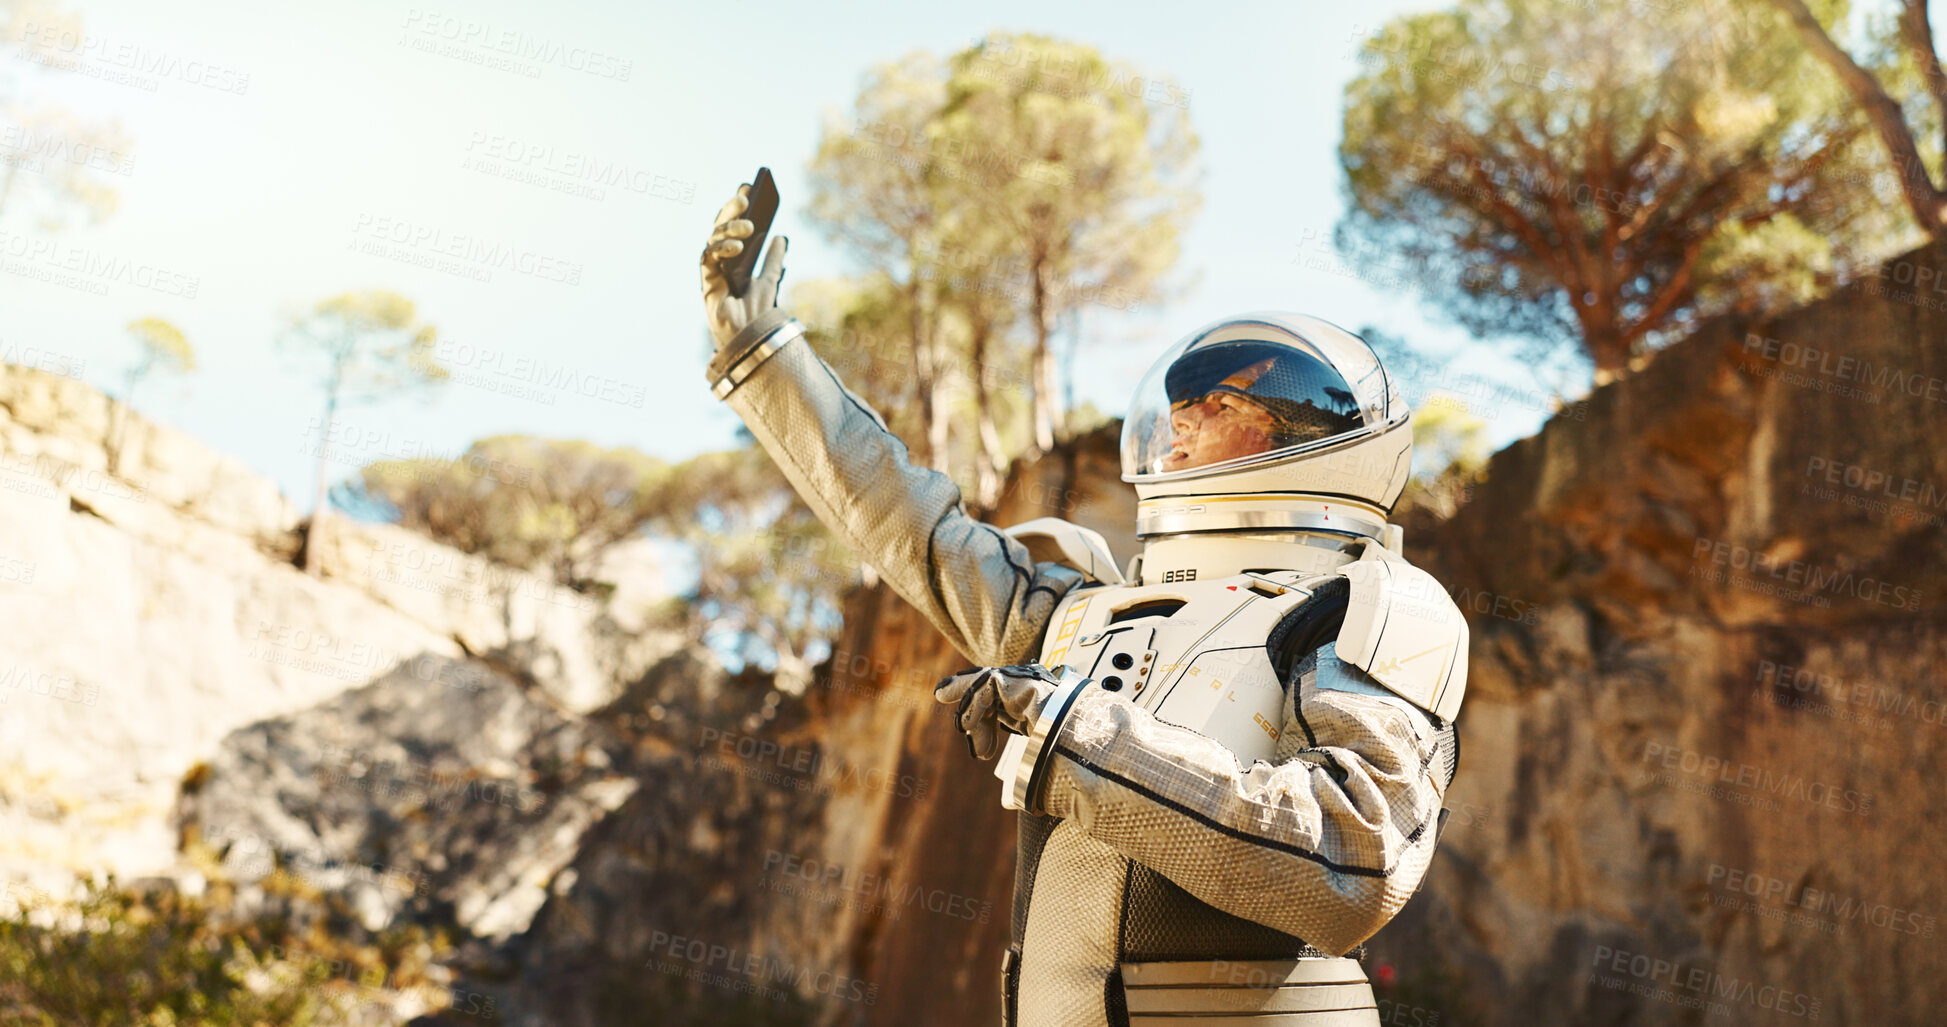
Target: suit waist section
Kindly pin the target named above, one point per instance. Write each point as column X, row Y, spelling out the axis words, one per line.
column 1321, row 991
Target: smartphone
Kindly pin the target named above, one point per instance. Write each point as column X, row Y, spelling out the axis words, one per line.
column 763, row 207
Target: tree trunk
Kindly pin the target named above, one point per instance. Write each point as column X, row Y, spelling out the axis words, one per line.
column 793, row 673
column 924, row 376
column 314, row 538
column 7, row 184
column 118, row 419
column 988, row 482
column 1606, row 347
column 1919, row 36
column 1044, row 364
column 936, row 435
column 1928, row 204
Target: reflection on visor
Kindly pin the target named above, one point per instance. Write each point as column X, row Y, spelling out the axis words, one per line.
column 1185, row 404
column 1300, row 384
column 1307, row 399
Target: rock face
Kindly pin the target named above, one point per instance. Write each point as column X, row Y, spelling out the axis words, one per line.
column 152, row 612
column 441, row 791
column 729, row 780
column 1703, row 727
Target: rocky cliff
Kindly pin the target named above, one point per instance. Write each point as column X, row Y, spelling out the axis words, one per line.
column 1702, row 738
column 404, row 732
column 1698, row 783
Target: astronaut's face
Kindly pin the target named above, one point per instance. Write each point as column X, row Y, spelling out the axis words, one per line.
column 1220, row 426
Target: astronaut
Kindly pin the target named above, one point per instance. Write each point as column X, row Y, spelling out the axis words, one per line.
column 1229, row 758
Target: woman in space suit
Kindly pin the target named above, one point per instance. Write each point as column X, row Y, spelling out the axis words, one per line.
column 1230, row 757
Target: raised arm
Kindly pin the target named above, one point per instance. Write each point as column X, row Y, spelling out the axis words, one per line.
column 979, row 587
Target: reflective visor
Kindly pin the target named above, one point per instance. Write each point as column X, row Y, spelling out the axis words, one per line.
column 1253, row 389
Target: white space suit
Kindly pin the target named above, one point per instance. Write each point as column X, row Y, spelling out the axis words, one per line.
column 1231, row 773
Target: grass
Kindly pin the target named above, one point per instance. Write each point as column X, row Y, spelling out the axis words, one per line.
column 118, row 956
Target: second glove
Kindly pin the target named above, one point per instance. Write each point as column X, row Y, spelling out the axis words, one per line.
column 993, row 699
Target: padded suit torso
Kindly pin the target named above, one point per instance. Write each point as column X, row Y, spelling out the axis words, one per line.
column 1142, row 916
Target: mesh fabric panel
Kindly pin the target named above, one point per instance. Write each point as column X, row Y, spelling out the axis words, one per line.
column 1070, row 949
column 1031, row 836
column 1326, row 844
column 1164, row 922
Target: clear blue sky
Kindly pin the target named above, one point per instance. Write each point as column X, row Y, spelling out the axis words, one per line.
column 348, row 130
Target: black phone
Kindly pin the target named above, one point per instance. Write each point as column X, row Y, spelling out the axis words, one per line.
column 762, row 209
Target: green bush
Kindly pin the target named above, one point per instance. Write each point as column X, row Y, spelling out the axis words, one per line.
column 118, row 957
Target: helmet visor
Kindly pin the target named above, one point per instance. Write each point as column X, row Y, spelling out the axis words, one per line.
column 1250, row 390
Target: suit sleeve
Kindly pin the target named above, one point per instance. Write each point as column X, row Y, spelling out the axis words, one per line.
column 1327, row 843
column 979, row 587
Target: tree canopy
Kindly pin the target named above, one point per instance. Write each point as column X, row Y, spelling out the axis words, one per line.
column 1899, row 86
column 1605, row 175
column 550, row 505
column 768, row 575
column 162, row 347
column 367, row 346
column 991, row 197
column 55, row 165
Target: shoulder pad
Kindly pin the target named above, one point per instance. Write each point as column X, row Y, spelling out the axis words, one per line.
column 1402, row 628
column 1053, row 540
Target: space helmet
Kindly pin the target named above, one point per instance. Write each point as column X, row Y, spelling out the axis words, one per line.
column 1265, row 422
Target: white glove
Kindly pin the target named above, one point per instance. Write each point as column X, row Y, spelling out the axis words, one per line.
column 993, row 699
column 728, row 314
